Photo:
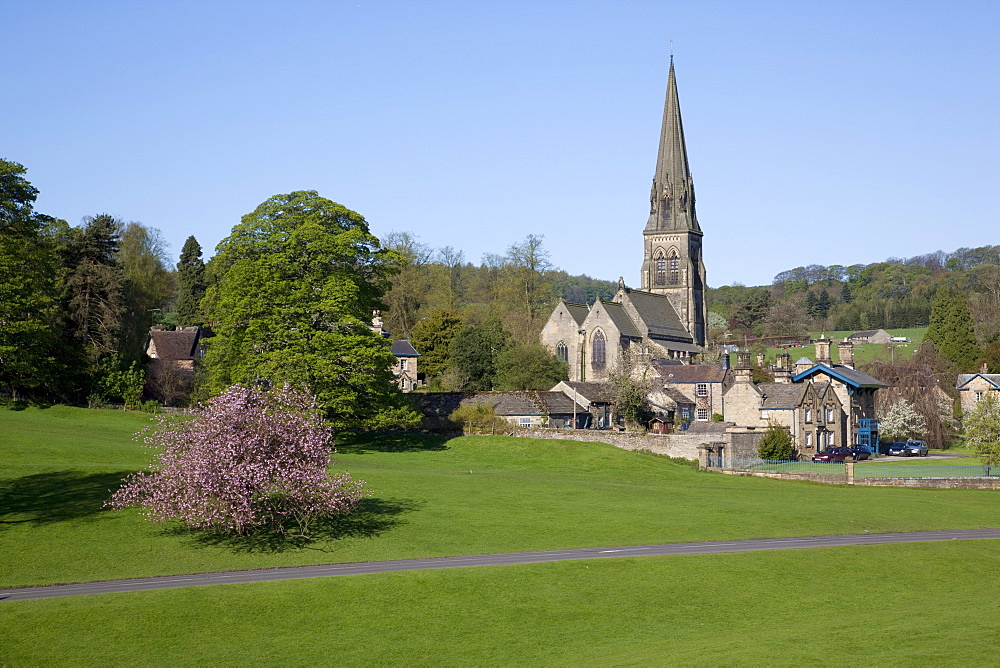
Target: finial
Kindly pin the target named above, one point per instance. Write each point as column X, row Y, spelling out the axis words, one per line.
column 671, row 50
column 621, row 282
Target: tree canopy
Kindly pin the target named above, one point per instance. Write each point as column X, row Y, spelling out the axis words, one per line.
column 299, row 278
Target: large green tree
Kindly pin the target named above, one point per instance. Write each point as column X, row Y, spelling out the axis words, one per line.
column 529, row 367
column 432, row 338
column 474, row 353
column 146, row 286
column 298, row 280
column 981, row 429
column 27, row 297
column 952, row 331
column 191, row 284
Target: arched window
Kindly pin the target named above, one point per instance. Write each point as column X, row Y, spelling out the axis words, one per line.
column 660, row 277
column 675, row 268
column 562, row 353
column 598, row 359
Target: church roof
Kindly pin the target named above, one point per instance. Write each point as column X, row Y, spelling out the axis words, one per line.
column 658, row 314
column 577, row 311
column 673, row 190
column 618, row 316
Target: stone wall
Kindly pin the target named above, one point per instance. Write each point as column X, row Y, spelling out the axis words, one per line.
column 673, row 445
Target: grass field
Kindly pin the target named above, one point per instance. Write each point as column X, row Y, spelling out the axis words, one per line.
column 864, row 352
column 916, row 604
column 933, row 603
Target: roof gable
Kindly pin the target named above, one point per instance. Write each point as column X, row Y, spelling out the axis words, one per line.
column 621, row 319
column 850, row 377
column 656, row 313
column 403, row 348
column 689, row 373
column 965, row 378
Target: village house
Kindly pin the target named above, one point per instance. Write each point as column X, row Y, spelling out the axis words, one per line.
column 695, row 391
column 972, row 387
column 520, row 408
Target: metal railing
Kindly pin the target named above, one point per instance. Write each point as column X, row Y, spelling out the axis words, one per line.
column 944, row 471
column 777, row 465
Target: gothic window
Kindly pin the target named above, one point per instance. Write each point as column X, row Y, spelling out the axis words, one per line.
column 598, row 359
column 562, row 353
column 661, row 269
column 675, row 268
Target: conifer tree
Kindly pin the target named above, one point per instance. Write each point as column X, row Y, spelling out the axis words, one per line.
column 190, row 284
column 951, row 329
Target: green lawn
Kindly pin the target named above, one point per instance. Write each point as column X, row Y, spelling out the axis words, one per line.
column 864, row 352
column 433, row 497
column 916, row 604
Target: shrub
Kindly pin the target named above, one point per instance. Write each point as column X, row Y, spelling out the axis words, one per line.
column 776, row 444
column 479, row 419
column 250, row 459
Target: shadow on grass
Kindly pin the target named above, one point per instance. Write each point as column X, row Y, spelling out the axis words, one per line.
column 59, row 496
column 359, row 444
column 372, row 518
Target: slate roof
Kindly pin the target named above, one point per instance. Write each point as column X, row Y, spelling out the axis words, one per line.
column 677, row 396
column 579, row 312
column 510, row 404
column 704, row 427
column 593, row 392
column 850, row 376
column 658, row 314
column 618, row 316
column 963, row 378
column 779, row 396
column 403, row 348
column 868, row 333
column 689, row 373
column 176, row 345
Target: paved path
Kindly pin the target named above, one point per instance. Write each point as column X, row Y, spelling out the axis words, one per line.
column 271, row 574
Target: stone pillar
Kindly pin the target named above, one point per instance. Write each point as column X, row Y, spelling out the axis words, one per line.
column 849, row 466
column 703, row 455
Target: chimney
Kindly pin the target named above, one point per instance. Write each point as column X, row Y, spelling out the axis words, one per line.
column 845, row 351
column 761, row 359
column 743, row 372
column 823, row 351
column 984, row 369
column 783, row 368
column 725, row 361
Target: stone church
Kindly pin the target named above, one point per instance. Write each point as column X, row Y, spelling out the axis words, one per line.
column 666, row 318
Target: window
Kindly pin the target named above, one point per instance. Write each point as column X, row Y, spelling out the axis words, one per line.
column 829, row 415
column 661, row 270
column 701, row 389
column 404, row 364
column 675, row 267
column 809, row 440
column 685, row 413
column 562, row 352
column 765, row 415
column 524, row 421
column 829, row 438
column 598, row 359
column 703, row 414
column 979, row 395
column 808, row 415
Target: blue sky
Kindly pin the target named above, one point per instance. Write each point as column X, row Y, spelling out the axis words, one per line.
column 818, row 132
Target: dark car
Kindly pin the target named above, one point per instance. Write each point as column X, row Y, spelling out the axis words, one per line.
column 838, row 454
column 861, row 454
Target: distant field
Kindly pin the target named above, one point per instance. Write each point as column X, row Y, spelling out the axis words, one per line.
column 863, row 353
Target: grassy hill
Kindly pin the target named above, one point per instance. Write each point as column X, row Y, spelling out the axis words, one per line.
column 436, row 497
column 863, row 353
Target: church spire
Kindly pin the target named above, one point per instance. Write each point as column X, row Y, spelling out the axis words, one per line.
column 671, row 201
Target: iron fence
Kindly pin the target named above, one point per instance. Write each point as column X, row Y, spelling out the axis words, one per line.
column 778, row 465
column 930, row 471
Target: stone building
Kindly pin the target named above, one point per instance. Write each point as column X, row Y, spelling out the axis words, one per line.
column 694, row 391
column 975, row 386
column 667, row 317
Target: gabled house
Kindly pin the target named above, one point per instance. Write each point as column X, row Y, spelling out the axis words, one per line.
column 975, row 386
column 177, row 349
column 700, row 386
column 595, row 399
column 405, row 368
column 870, row 336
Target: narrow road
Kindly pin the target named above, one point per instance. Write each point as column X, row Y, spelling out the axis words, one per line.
column 295, row 573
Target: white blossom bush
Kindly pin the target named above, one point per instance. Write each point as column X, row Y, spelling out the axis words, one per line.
column 249, row 459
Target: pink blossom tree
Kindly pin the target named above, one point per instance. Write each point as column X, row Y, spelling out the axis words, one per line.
column 249, row 459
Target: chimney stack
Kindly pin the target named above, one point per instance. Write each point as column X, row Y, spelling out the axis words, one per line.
column 743, row 372
column 823, row 351
column 845, row 351
column 783, row 368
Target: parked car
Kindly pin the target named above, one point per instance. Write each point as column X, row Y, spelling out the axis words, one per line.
column 838, row 454
column 909, row 449
column 861, row 454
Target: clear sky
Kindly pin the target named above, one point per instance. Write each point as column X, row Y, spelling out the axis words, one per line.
column 818, row 132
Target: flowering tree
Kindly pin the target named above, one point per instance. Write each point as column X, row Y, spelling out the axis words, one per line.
column 901, row 422
column 250, row 459
column 982, row 429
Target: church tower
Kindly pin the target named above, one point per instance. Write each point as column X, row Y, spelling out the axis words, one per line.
column 672, row 263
